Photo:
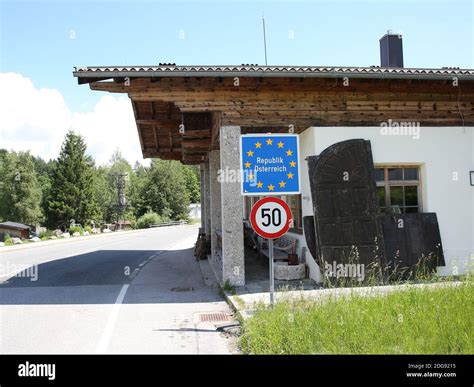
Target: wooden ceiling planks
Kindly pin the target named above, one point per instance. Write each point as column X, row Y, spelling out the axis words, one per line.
column 258, row 104
column 196, row 136
column 277, row 84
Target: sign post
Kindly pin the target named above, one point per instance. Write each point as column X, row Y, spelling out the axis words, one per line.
column 271, row 218
column 272, row 273
column 270, row 165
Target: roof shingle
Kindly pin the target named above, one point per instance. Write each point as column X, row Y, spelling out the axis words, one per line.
column 258, row 71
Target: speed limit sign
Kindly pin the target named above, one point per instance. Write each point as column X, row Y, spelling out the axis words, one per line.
column 270, row 217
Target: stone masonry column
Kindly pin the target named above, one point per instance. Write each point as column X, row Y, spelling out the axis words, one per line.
column 203, row 202
column 233, row 264
column 215, row 195
column 207, row 201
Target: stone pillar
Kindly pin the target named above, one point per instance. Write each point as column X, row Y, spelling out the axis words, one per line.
column 203, row 202
column 233, row 264
column 207, row 214
column 215, row 195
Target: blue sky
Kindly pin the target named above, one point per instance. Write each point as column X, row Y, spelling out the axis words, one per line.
column 45, row 40
column 41, row 42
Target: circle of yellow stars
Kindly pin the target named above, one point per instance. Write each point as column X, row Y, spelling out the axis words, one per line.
column 280, row 145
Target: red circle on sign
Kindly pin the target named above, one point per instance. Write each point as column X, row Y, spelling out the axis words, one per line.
column 253, row 218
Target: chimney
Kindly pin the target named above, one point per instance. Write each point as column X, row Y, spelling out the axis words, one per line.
column 391, row 50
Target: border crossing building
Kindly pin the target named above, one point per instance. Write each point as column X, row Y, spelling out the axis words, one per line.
column 419, row 121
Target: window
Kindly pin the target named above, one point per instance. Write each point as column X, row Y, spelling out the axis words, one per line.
column 398, row 189
column 294, row 201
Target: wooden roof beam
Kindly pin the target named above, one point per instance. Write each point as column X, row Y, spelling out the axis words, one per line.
column 215, row 130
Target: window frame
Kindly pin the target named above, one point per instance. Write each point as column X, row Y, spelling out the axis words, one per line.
column 387, row 183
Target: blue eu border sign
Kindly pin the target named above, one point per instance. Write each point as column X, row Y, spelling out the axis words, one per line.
column 270, row 164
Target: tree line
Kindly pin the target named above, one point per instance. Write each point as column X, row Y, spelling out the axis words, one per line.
column 51, row 193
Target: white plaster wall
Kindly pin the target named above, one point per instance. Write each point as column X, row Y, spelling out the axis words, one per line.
column 471, row 261
column 307, row 148
column 442, row 152
column 195, row 210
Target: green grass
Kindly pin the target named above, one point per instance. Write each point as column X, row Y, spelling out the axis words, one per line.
column 416, row 321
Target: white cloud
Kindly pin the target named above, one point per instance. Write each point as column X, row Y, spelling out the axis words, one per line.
column 37, row 120
column 110, row 125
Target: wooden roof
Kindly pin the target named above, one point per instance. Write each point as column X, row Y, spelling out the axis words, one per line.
column 14, row 225
column 200, row 100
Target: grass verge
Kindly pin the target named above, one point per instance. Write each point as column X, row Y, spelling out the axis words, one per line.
column 415, row 321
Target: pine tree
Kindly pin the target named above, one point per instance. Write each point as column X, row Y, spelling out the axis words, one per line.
column 72, row 186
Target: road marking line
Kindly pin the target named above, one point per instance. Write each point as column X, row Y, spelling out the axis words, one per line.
column 109, row 327
column 112, row 320
column 134, row 274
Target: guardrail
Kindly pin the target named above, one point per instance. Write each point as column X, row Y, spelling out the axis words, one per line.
column 170, row 223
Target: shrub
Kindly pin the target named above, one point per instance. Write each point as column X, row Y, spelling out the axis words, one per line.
column 88, row 229
column 74, row 229
column 131, row 218
column 7, row 239
column 133, row 223
column 186, row 218
column 148, row 219
column 45, row 234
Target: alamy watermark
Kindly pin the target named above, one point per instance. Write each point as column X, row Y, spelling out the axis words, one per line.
column 344, row 270
column 28, row 369
column 400, row 128
column 22, row 270
column 230, row 175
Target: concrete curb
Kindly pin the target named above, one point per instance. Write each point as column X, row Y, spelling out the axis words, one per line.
column 242, row 313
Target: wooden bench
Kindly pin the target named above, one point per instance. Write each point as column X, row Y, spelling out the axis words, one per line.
column 281, row 248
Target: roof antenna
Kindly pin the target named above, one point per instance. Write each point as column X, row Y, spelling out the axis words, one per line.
column 264, row 39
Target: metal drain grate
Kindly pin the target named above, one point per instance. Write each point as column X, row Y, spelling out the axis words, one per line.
column 214, row 317
column 182, row 289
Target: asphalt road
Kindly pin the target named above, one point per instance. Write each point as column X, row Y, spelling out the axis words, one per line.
column 137, row 292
